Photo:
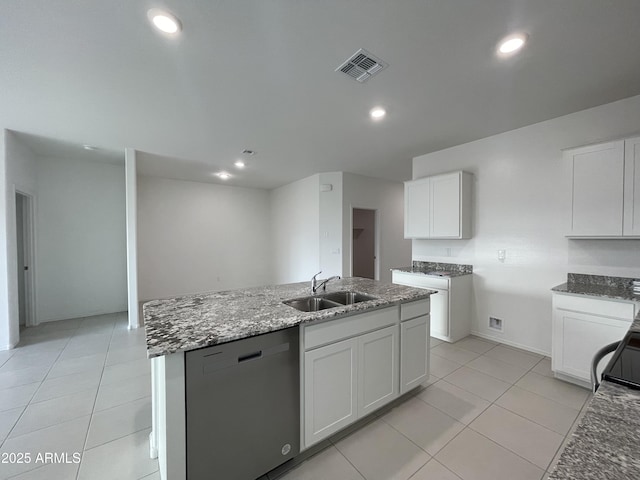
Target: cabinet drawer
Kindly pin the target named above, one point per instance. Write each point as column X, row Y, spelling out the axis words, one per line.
column 414, row 309
column 420, row 281
column 335, row 330
column 605, row 308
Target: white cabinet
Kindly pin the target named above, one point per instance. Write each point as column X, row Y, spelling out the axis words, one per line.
column 414, row 352
column 416, row 208
column 438, row 206
column 378, row 369
column 581, row 326
column 450, row 314
column 351, row 368
column 329, row 389
column 631, row 223
column 605, row 189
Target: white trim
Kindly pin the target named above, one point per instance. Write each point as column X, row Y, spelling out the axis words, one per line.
column 377, row 235
column 511, row 344
column 132, row 237
column 29, row 215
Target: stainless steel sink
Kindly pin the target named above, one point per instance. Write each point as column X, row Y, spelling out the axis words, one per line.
column 311, row 304
column 348, row 298
column 327, row 300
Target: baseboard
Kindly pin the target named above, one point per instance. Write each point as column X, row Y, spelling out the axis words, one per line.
column 153, row 448
column 511, row 344
column 10, row 346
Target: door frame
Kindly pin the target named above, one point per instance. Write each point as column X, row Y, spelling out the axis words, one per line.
column 376, row 236
column 29, row 253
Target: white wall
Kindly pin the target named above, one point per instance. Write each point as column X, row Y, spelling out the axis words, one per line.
column 388, row 199
column 80, row 238
column 330, row 225
column 295, row 227
column 200, row 237
column 521, row 204
column 20, row 174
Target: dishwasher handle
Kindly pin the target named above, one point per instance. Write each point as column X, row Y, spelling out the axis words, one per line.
column 250, row 356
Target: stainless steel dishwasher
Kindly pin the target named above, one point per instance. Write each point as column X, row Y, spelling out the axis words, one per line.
column 243, row 406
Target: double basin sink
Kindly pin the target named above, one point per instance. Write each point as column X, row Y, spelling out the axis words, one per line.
column 314, row 303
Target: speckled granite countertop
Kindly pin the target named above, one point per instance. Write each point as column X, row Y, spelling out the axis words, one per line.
column 618, row 288
column 436, row 269
column 195, row 321
column 606, row 443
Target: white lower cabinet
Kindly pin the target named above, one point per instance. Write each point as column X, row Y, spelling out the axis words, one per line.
column 414, row 352
column 581, row 326
column 352, row 366
column 329, row 389
column 378, row 369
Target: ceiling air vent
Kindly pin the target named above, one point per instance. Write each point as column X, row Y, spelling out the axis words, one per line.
column 362, row 66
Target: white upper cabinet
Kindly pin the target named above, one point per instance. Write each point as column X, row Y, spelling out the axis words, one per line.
column 438, row 206
column 416, row 208
column 631, row 221
column 605, row 189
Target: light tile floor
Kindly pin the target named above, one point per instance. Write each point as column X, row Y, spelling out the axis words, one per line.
column 490, row 412
column 81, row 385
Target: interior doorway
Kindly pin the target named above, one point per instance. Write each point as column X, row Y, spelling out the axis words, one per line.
column 363, row 258
column 24, row 263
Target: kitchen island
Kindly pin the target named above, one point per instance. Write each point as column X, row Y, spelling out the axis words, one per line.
column 606, row 443
column 187, row 323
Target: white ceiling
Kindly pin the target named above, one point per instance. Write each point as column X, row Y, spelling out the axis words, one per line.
column 259, row 74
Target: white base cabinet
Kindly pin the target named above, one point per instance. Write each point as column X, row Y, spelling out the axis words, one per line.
column 450, row 318
column 581, row 326
column 414, row 352
column 355, row 365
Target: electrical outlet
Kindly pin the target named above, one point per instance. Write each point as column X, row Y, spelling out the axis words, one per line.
column 496, row 324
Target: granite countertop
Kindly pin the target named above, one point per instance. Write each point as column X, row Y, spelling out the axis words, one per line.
column 617, row 288
column 606, row 443
column 201, row 320
column 436, row 269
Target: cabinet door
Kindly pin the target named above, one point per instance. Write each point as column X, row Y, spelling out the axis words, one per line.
column 632, row 187
column 414, row 355
column 416, row 209
column 445, row 206
column 578, row 336
column 330, row 377
column 377, row 369
column 597, row 195
column 440, row 314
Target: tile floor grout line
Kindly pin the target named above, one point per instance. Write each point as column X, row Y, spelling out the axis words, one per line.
column 32, row 397
column 86, row 436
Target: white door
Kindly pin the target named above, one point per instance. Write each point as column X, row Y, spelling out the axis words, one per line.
column 597, row 196
column 632, row 187
column 330, row 384
column 416, row 208
column 378, row 367
column 445, row 206
column 577, row 338
column 414, row 358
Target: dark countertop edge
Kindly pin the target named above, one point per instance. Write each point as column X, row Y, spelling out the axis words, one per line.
column 351, row 310
column 584, row 290
column 424, row 274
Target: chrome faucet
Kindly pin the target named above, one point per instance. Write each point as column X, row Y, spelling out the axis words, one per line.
column 315, row 285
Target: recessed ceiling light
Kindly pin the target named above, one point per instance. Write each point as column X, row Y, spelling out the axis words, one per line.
column 239, row 164
column 223, row 175
column 164, row 21
column 512, row 44
column 377, row 113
